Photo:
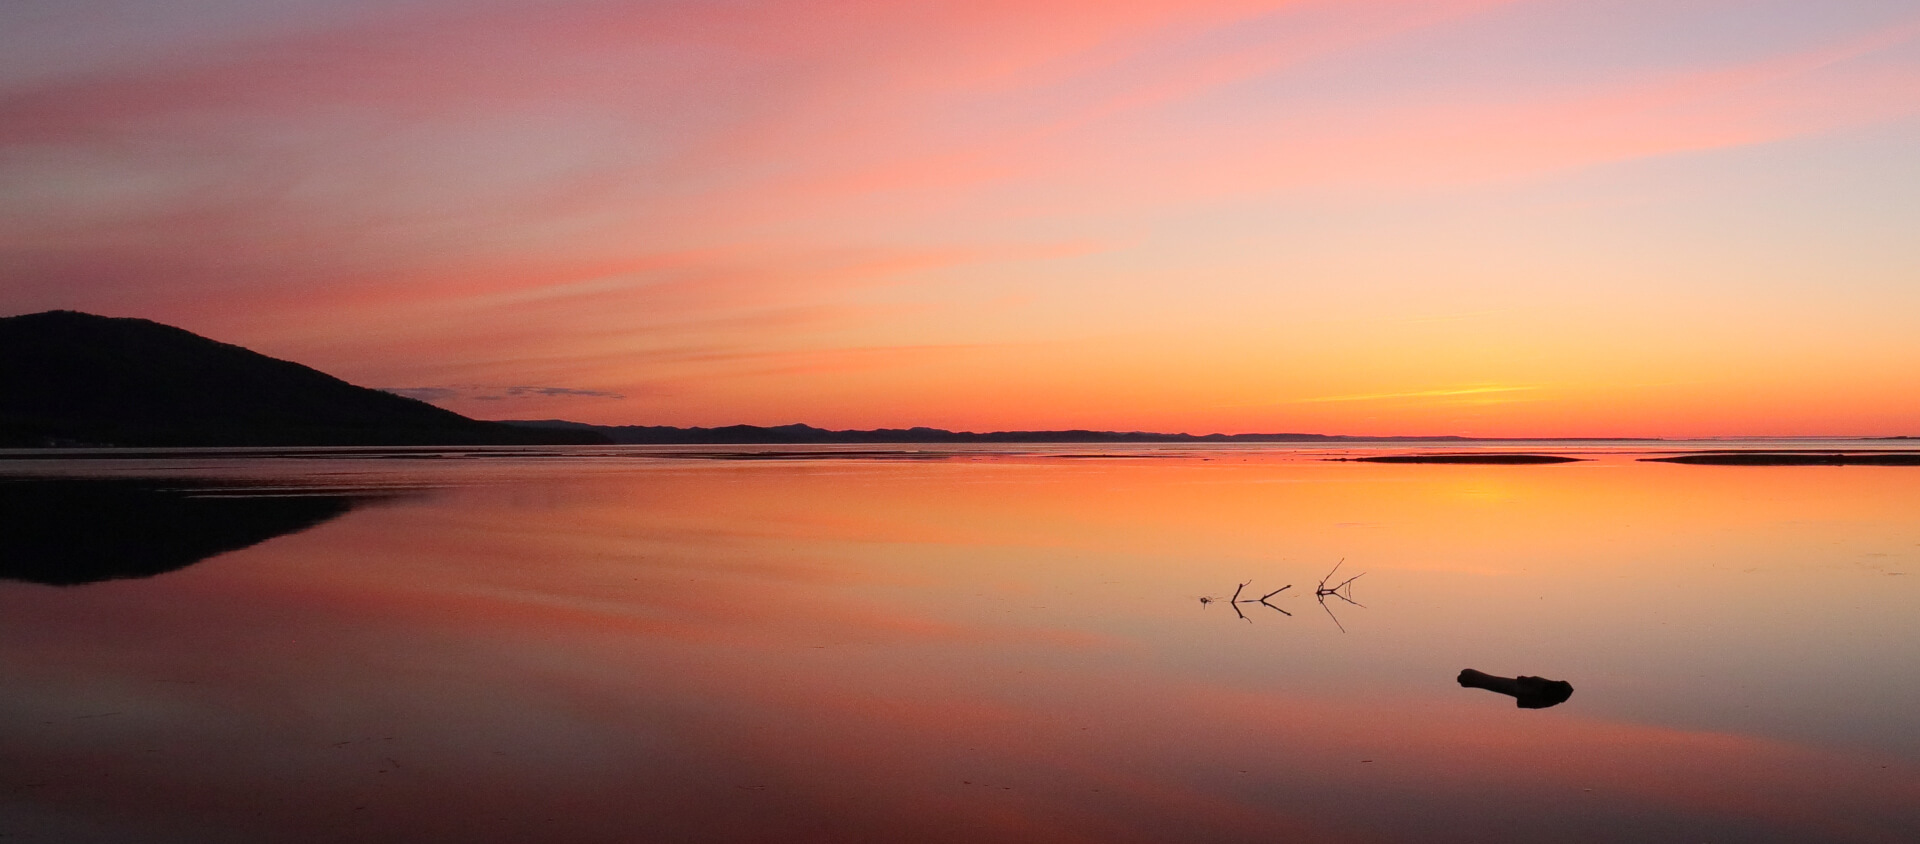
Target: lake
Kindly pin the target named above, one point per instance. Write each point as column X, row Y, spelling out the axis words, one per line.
column 851, row 644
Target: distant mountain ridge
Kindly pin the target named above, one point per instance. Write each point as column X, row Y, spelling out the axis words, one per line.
column 75, row 379
column 808, row 434
column 70, row 378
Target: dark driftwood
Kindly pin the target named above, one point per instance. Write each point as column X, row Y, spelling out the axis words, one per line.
column 1527, row 692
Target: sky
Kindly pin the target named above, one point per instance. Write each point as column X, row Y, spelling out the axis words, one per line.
column 1391, row 217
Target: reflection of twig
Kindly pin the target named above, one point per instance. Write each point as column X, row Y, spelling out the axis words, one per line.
column 1336, row 619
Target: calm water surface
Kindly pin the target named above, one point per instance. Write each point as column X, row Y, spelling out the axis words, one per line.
column 965, row 645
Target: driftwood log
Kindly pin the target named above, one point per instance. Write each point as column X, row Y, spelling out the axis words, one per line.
column 1527, row 692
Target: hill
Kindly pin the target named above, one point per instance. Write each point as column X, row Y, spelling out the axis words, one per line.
column 74, row 378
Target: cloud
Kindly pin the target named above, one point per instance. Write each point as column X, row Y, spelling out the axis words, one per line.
column 428, row 394
column 1445, row 393
column 561, row 391
column 534, row 192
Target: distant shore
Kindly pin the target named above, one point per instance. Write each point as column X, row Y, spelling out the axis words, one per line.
column 801, row 434
column 1490, row 459
column 1790, row 458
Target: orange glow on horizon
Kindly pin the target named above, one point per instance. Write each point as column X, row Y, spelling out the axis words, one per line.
column 1385, row 217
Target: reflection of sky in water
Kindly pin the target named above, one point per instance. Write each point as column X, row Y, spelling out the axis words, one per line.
column 994, row 649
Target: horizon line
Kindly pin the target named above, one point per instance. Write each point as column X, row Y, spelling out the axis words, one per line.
column 1145, row 433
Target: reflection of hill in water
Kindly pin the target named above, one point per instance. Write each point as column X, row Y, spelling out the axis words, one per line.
column 66, row 532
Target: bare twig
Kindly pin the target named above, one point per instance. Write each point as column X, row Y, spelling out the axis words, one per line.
column 1347, row 599
column 1340, row 590
column 1323, row 590
column 1236, row 600
column 1263, row 600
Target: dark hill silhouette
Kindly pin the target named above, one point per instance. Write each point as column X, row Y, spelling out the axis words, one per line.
column 74, row 378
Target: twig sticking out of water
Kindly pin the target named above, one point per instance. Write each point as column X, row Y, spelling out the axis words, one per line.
column 1263, row 600
column 1322, row 591
column 1236, row 601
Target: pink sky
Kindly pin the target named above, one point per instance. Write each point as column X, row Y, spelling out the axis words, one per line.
column 1450, row 216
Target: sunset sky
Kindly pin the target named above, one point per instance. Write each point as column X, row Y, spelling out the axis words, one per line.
column 1543, row 217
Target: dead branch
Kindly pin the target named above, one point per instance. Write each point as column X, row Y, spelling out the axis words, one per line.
column 1322, row 590
column 1343, row 583
column 1236, row 600
column 1339, row 590
column 1343, row 598
column 1263, row 600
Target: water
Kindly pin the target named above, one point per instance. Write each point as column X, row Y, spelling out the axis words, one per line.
column 964, row 644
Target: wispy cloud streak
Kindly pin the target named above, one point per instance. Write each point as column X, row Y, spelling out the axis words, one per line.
column 1445, row 393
